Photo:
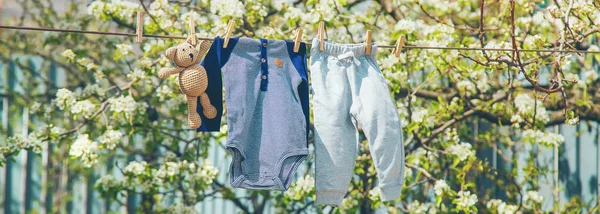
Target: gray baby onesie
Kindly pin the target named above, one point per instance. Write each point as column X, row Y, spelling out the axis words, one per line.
column 266, row 94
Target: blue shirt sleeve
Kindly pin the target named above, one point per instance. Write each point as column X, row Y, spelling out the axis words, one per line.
column 212, row 65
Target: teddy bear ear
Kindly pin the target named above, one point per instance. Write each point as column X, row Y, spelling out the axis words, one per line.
column 203, row 47
column 191, row 40
column 171, row 53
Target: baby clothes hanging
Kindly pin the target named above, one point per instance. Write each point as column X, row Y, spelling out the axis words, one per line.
column 350, row 92
column 266, row 92
column 214, row 90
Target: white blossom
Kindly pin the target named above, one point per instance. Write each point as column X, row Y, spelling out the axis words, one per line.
column 171, row 168
column 68, row 54
column 198, row 19
column 417, row 207
column 207, row 174
column 423, row 116
column 105, row 182
column 96, row 9
column 154, row 45
column 135, row 168
column 93, row 89
column 56, row 130
column 144, row 62
column 119, row 8
column 64, row 98
column 388, row 62
column 110, row 138
column 228, row 8
column 534, row 196
column 124, row 49
column 547, row 139
column 493, row 203
column 462, row 151
column 407, row 25
column 163, row 92
column 35, row 107
column 466, row 199
column 85, row 149
column 293, row 13
column 163, row 60
column 306, row 183
column 84, row 107
column 501, row 207
column 136, row 75
column 98, row 75
column 516, row 120
column 440, row 187
column 590, row 76
column 87, row 63
column 418, row 154
column 375, row 193
column 408, row 172
column 466, row 87
column 348, row 203
column 181, row 208
column 125, row 104
column 303, row 186
column 573, row 121
column 451, row 135
column 507, row 209
column 526, row 105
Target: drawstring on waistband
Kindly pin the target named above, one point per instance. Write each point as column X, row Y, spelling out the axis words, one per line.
column 349, row 56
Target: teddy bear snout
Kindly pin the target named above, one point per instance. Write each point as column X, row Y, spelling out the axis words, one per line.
column 191, row 55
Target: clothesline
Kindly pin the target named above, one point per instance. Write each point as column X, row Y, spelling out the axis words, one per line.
column 308, row 43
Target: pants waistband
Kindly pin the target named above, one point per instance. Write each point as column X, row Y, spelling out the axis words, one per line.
column 335, row 49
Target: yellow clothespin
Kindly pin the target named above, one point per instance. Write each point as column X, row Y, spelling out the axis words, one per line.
column 321, row 35
column 192, row 36
column 368, row 42
column 228, row 34
column 399, row 44
column 297, row 40
column 139, row 30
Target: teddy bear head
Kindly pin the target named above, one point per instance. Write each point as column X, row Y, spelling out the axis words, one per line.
column 185, row 54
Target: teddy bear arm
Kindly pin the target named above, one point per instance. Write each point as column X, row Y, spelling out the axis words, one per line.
column 202, row 48
column 166, row 72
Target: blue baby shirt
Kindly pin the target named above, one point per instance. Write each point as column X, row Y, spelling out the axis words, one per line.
column 217, row 56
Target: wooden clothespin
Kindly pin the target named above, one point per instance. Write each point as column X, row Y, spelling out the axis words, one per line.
column 399, row 44
column 321, row 33
column 228, row 34
column 192, row 27
column 368, row 42
column 139, row 30
column 297, row 40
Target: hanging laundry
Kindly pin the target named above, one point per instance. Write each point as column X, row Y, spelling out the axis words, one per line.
column 266, row 92
column 214, row 89
column 350, row 92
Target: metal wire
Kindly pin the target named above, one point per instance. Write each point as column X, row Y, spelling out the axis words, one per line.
column 308, row 43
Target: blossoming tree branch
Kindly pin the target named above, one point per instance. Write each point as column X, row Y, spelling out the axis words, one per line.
column 106, row 107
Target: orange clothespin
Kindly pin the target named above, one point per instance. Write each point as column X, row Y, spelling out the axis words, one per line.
column 297, row 40
column 228, row 34
column 321, row 32
column 139, row 30
column 192, row 27
column 399, row 45
column 368, row 42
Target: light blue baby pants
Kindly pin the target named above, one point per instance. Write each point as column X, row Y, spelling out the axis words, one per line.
column 350, row 93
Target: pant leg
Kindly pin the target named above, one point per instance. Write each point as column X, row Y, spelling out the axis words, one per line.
column 335, row 135
column 375, row 112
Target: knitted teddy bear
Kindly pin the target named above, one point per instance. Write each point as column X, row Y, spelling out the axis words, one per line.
column 192, row 78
